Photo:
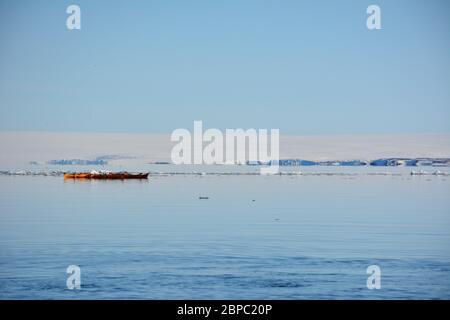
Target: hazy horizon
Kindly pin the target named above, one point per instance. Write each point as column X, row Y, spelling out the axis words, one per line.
column 23, row 147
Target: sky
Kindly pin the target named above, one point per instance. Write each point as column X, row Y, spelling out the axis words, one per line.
column 304, row 67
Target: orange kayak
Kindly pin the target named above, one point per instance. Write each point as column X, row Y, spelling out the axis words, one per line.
column 77, row 175
column 106, row 176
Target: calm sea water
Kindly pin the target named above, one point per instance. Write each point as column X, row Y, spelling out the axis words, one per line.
column 256, row 237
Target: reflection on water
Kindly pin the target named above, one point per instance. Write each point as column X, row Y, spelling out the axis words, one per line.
column 287, row 237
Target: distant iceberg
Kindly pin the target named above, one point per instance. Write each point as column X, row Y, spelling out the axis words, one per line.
column 78, row 162
column 442, row 162
column 385, row 162
column 302, row 162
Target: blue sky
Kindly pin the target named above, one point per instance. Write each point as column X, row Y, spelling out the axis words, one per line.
column 305, row 67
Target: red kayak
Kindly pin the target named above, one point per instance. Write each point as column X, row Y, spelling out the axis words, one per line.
column 106, row 176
